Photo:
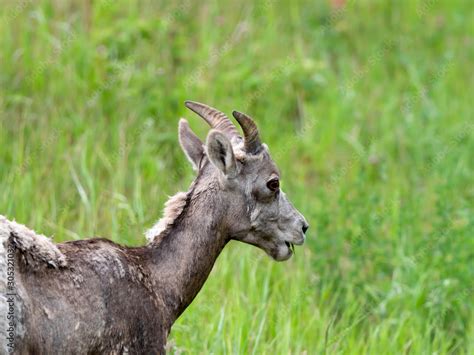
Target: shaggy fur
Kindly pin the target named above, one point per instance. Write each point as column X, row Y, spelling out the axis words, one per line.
column 173, row 208
column 37, row 250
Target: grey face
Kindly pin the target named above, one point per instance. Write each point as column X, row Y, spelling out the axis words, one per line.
column 270, row 220
column 260, row 213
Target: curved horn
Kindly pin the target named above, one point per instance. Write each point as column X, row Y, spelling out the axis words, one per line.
column 214, row 118
column 252, row 141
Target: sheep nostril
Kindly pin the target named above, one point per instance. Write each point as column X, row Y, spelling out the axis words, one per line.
column 305, row 227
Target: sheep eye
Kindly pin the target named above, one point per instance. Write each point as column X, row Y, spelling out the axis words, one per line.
column 273, row 184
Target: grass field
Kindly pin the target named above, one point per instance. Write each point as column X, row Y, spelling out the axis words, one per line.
column 367, row 109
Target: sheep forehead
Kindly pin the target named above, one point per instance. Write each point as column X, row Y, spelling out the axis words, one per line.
column 260, row 164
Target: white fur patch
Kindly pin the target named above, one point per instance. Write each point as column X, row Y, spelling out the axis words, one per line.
column 38, row 246
column 173, row 208
column 240, row 153
column 238, row 148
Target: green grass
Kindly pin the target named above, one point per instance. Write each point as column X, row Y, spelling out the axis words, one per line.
column 367, row 111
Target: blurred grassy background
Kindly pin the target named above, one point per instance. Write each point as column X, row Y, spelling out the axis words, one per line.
column 366, row 107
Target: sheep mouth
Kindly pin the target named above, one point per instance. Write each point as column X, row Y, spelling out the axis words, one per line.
column 290, row 246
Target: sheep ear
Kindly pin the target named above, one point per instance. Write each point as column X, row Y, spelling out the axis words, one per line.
column 190, row 143
column 220, row 153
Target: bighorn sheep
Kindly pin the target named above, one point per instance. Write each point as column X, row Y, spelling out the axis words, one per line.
column 94, row 296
